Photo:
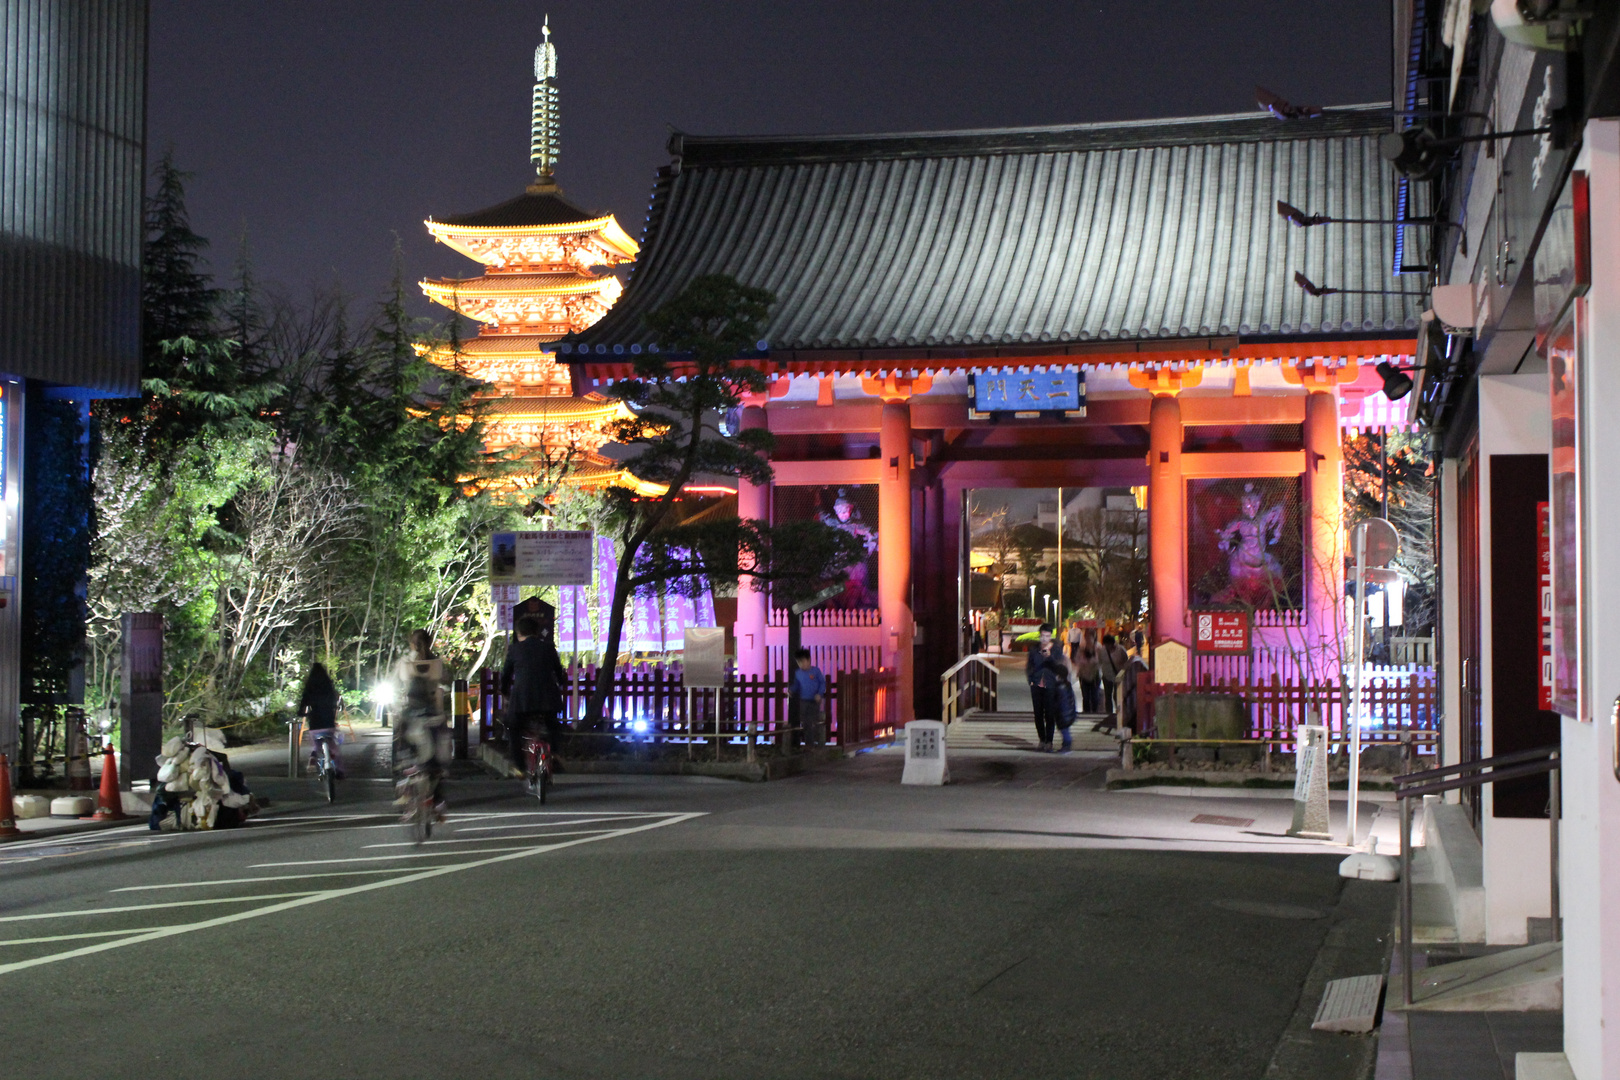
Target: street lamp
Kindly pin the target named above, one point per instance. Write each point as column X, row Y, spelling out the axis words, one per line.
column 1032, row 599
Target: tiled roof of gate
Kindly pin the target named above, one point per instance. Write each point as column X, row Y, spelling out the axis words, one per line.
column 1092, row 233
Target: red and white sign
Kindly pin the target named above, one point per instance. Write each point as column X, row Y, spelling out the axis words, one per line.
column 1221, row 631
column 1545, row 574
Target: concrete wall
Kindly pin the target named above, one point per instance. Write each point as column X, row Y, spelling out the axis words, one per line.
column 1514, row 418
column 1452, row 704
column 1590, row 847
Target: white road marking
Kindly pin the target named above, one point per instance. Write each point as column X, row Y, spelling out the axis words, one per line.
column 99, row 836
column 148, row 907
column 378, row 858
column 71, row 937
column 334, row 894
column 492, row 839
column 531, row 824
column 248, row 880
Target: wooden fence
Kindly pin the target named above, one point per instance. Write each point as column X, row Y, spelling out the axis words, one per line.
column 1394, row 705
column 651, row 704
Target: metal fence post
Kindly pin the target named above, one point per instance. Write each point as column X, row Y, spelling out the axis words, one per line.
column 295, row 738
column 1406, row 898
column 1554, row 812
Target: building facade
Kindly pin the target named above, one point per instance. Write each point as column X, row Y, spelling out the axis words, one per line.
column 72, row 146
column 925, row 284
column 1518, row 371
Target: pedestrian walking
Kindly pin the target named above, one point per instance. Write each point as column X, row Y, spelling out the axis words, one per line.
column 1046, row 671
column 1088, row 670
column 809, row 691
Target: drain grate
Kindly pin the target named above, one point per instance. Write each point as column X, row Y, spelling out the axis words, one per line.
column 1221, row 819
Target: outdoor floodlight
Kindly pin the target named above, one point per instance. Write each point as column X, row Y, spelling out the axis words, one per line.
column 1397, row 383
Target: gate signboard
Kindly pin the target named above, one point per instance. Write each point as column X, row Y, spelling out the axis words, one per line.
column 554, row 557
column 1221, row 631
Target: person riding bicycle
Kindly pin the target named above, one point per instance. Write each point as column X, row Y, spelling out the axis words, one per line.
column 532, row 681
column 318, row 706
column 421, row 725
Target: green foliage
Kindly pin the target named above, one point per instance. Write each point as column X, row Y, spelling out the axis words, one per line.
column 291, row 486
column 678, row 395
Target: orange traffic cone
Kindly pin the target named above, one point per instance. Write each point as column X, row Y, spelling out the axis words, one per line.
column 8, row 828
column 109, row 804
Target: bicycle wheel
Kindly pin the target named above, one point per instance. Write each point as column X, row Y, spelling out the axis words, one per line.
column 422, row 818
column 543, row 788
column 328, row 772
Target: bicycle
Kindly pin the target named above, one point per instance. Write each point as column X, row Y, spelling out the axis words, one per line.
column 326, row 766
column 537, row 766
column 415, row 788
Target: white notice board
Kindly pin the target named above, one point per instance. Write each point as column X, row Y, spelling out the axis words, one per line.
column 703, row 659
column 558, row 557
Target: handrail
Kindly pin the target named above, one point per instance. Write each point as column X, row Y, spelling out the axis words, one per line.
column 962, row 663
column 950, row 693
column 1538, row 754
column 1545, row 759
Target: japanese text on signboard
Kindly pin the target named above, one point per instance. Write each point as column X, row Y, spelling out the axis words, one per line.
column 557, row 557
column 1028, row 391
column 1222, row 632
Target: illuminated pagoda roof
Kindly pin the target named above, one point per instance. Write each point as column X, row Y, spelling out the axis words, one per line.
column 544, row 277
column 973, row 248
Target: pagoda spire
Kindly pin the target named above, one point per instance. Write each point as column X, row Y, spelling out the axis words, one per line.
column 543, row 120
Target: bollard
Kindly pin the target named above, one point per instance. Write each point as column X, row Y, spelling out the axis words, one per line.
column 460, row 710
column 295, row 739
column 78, row 752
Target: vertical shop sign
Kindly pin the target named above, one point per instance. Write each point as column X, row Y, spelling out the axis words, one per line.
column 1545, row 576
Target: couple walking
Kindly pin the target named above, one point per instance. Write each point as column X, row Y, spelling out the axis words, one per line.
column 1050, row 690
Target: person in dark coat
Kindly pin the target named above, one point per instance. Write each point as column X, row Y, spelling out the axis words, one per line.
column 318, row 707
column 1046, row 672
column 532, row 681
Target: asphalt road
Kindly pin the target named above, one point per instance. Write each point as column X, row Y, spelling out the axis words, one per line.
column 1021, row 923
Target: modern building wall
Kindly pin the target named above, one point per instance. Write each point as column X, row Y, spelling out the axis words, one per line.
column 1453, row 707
column 1514, row 418
column 72, row 131
column 72, row 160
column 1590, row 841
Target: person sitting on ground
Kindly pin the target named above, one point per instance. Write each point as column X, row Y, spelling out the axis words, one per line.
column 1046, row 671
column 318, row 706
column 808, row 690
column 532, row 681
column 422, row 720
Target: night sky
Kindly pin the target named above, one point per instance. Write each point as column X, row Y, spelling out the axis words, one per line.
column 325, row 128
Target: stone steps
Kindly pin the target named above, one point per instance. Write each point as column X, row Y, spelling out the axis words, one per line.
column 1016, row 731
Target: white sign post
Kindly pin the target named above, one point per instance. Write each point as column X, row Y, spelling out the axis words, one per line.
column 557, row 557
column 703, row 667
column 925, row 754
column 1375, row 542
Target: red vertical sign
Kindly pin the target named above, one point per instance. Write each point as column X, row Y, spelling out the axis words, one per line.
column 1221, row 631
column 1544, row 571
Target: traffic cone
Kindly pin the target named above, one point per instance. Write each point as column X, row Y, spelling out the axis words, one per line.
column 109, row 803
column 8, row 828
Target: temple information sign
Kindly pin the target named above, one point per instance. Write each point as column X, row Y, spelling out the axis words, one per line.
column 558, row 557
column 1029, row 392
column 1221, row 631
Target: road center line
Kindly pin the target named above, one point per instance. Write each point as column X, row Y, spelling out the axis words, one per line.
column 149, row 907
column 334, row 894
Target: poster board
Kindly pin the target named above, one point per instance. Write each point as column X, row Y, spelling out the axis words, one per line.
column 703, row 661
column 554, row 557
column 1225, row 632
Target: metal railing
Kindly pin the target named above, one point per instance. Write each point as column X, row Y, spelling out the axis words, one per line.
column 975, row 689
column 1434, row 781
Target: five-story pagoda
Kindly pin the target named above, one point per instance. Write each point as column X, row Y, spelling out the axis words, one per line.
column 547, row 272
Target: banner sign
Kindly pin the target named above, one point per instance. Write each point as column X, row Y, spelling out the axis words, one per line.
column 1027, row 393
column 557, row 557
column 1545, row 574
column 1221, row 631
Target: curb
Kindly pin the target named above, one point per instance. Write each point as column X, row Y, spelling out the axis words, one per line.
column 774, row 768
column 1359, row 941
